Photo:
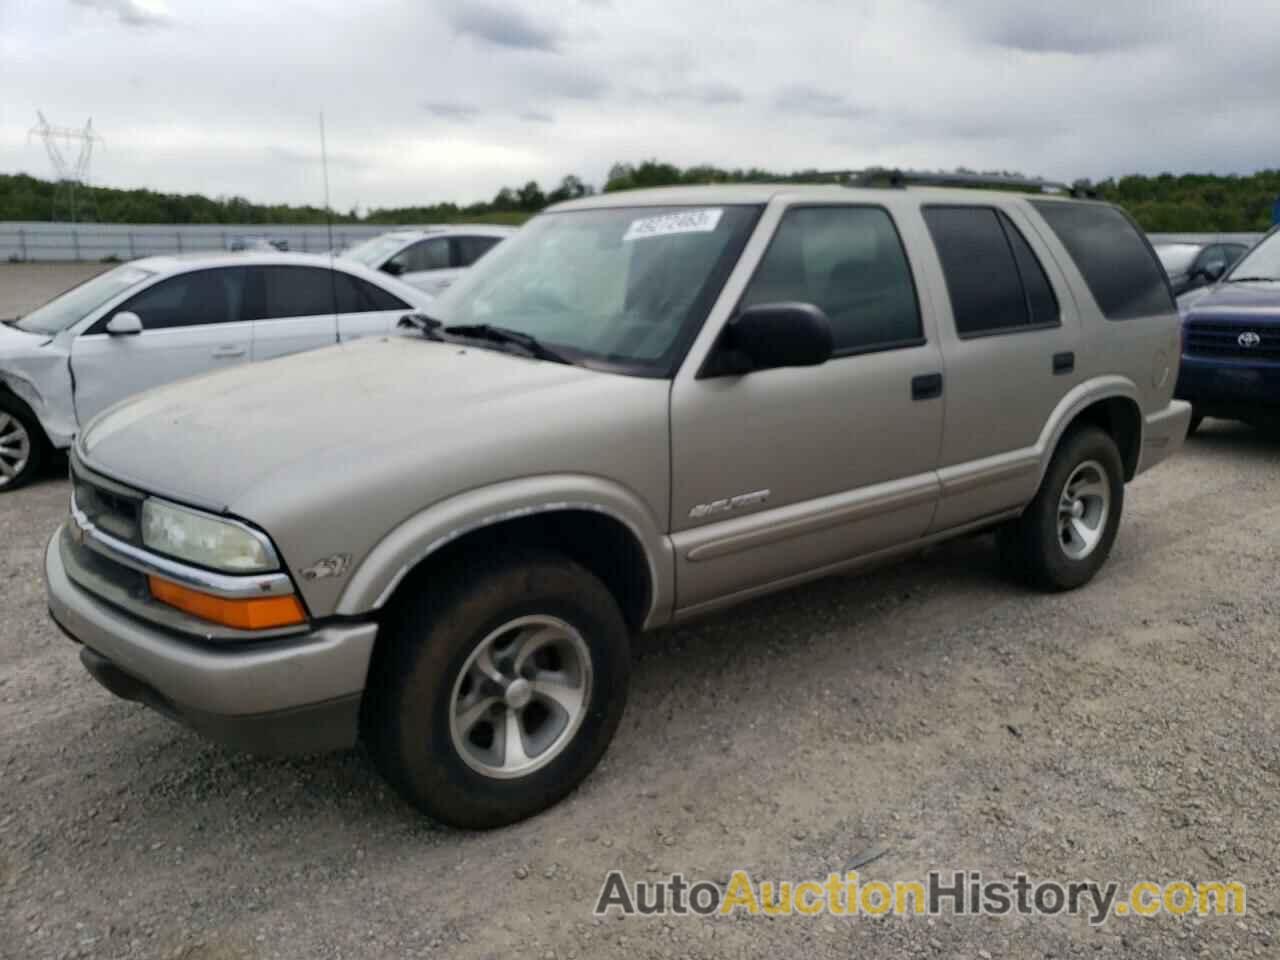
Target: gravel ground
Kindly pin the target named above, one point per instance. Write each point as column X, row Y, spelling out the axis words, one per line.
column 24, row 286
column 931, row 710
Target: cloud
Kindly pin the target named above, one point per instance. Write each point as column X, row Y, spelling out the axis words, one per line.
column 446, row 110
column 817, row 103
column 536, row 116
column 132, row 13
column 564, row 80
column 710, row 94
column 502, row 26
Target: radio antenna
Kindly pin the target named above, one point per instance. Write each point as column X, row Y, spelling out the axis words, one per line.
column 328, row 217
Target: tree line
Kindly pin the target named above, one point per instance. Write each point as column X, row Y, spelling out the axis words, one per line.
column 1166, row 203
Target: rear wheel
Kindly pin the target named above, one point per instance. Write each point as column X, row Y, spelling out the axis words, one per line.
column 1065, row 536
column 498, row 689
column 22, row 444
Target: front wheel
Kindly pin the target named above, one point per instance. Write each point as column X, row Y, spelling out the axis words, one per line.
column 22, row 444
column 498, row 688
column 1065, row 536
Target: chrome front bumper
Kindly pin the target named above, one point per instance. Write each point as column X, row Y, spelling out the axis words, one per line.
column 295, row 694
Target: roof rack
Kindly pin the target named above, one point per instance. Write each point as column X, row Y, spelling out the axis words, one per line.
column 904, row 178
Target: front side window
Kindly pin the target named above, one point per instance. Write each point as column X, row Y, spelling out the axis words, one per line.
column 374, row 252
column 849, row 262
column 471, row 249
column 994, row 279
column 188, row 300
column 424, row 255
column 621, row 288
column 1116, row 261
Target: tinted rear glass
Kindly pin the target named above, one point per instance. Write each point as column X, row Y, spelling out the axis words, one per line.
column 982, row 279
column 1122, row 273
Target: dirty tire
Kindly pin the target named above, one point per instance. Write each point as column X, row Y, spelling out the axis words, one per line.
column 1033, row 547
column 22, row 444
column 430, row 636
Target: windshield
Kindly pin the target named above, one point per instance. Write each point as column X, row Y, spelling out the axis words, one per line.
column 78, row 302
column 375, row 250
column 623, row 289
column 1176, row 257
column 1260, row 263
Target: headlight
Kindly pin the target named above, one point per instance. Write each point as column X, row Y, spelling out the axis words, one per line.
column 205, row 540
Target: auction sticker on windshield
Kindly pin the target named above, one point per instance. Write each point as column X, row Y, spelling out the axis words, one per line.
column 686, row 221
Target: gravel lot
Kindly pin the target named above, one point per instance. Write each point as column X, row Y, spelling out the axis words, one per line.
column 788, row 737
column 931, row 711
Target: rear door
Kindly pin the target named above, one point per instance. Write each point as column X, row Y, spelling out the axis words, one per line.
column 293, row 308
column 193, row 323
column 1010, row 347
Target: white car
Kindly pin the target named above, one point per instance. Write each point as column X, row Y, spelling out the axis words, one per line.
column 160, row 319
column 431, row 258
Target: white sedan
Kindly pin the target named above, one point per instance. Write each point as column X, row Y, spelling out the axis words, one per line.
column 431, row 258
column 160, row 319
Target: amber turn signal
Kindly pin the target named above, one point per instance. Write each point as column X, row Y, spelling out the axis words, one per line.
column 256, row 613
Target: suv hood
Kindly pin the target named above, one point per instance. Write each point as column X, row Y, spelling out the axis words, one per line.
column 1228, row 296
column 379, row 420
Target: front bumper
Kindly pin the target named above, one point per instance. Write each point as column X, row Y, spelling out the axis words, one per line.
column 1230, row 387
column 297, row 694
column 1164, row 433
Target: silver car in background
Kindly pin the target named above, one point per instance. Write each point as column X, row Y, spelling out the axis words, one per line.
column 431, row 258
column 160, row 319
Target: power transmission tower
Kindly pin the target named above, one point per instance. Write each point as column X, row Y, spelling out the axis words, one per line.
column 70, row 177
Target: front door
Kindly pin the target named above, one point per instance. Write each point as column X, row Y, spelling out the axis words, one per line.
column 192, row 324
column 427, row 264
column 777, row 474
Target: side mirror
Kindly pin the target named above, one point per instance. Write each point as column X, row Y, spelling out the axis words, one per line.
column 1213, row 271
column 126, row 323
column 770, row 335
column 393, row 268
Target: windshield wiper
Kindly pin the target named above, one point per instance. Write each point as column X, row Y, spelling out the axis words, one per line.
column 1253, row 280
column 487, row 331
column 429, row 327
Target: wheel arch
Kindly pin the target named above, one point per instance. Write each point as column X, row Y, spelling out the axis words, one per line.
column 598, row 524
column 1110, row 403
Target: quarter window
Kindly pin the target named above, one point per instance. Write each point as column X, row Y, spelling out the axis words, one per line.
column 848, row 261
column 995, row 282
column 1116, row 261
column 188, row 300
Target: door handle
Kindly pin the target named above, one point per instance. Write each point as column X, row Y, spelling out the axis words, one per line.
column 228, row 350
column 926, row 386
column 1064, row 362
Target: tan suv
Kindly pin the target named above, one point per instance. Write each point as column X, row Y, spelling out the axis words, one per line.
column 640, row 408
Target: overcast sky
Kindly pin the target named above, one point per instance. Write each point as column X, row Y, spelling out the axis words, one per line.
column 449, row 100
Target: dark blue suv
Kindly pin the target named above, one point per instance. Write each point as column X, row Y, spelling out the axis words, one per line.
column 1231, row 341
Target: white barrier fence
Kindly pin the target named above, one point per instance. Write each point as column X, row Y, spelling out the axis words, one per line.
column 25, row 242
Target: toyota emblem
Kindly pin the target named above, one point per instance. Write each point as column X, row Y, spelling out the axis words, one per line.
column 1248, row 339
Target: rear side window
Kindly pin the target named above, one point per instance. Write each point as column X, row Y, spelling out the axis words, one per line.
column 994, row 279
column 471, row 249
column 291, row 292
column 1123, row 274
column 849, row 261
column 359, row 296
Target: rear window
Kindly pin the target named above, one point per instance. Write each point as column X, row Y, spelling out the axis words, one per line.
column 1123, row 274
